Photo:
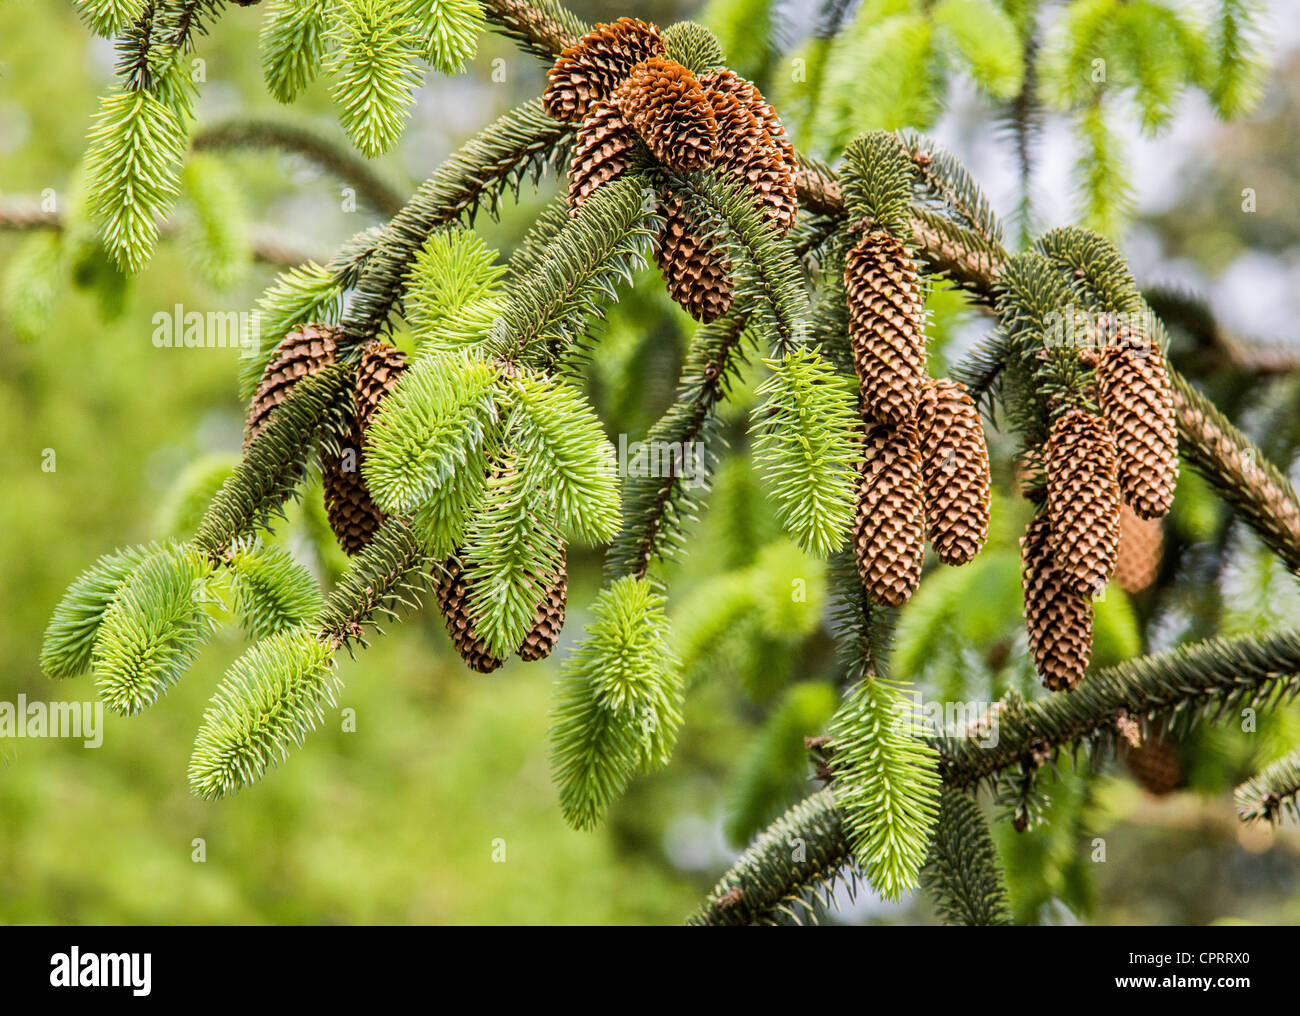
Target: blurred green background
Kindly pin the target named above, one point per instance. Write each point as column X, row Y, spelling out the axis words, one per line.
column 439, row 807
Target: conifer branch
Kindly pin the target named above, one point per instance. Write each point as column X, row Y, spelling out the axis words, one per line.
column 540, row 27
column 963, row 873
column 1210, row 679
column 1274, row 792
column 1257, row 491
column 655, row 507
column 297, row 140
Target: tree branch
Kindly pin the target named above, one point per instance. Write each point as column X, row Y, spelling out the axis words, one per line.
column 335, row 159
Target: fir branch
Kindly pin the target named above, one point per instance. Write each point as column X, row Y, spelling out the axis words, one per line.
column 375, row 68
column 449, row 31
column 294, row 46
column 962, row 873
column 106, row 17
column 563, row 449
column 805, row 446
column 618, row 702
column 1272, row 793
column 152, row 630
column 540, row 27
column 766, row 277
column 273, row 696
column 311, row 145
column 604, row 244
column 70, row 636
column 453, row 294
column 800, row 853
column 524, row 138
column 656, row 507
column 885, row 786
column 273, row 591
column 306, row 294
column 430, row 432
column 1257, row 491
column 513, row 551
column 390, row 574
column 273, row 463
column 1212, row 678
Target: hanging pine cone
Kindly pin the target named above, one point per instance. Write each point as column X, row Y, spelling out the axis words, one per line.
column 1141, row 547
column 352, row 514
column 954, row 470
column 597, row 64
column 747, row 151
column 380, row 368
column 602, row 152
column 539, row 642
column 889, row 532
column 302, row 351
column 1058, row 620
column 671, row 112
column 452, row 591
column 696, row 275
column 724, row 80
column 1156, row 764
column 1083, row 500
column 1137, row 401
column 885, row 327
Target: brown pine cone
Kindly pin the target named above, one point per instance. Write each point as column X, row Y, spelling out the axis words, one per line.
column 302, row 351
column 671, row 112
column 1137, row 401
column 747, row 151
column 696, row 275
column 889, row 532
column 539, row 642
column 1141, row 547
column 1083, row 500
column 452, row 591
column 724, row 80
column 954, row 470
column 1058, row 620
column 602, row 152
column 352, row 513
column 886, row 318
column 380, row 368
column 1156, row 764
column 597, row 64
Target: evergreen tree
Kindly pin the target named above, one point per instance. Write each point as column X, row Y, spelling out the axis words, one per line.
column 815, row 240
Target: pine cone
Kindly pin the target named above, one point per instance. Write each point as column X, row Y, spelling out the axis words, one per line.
column 302, row 351
column 885, row 327
column 696, row 275
column 1141, row 547
column 724, row 80
column 1138, row 403
column 381, row 366
column 353, row 516
column 671, row 112
column 747, row 151
column 1156, row 764
column 597, row 64
column 452, row 591
column 1083, row 500
column 1058, row 620
column 539, row 642
column 888, row 535
column 954, row 471
column 602, row 152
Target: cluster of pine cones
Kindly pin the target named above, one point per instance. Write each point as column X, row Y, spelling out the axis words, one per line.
column 1095, row 465
column 925, row 463
column 618, row 83
column 353, row 515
